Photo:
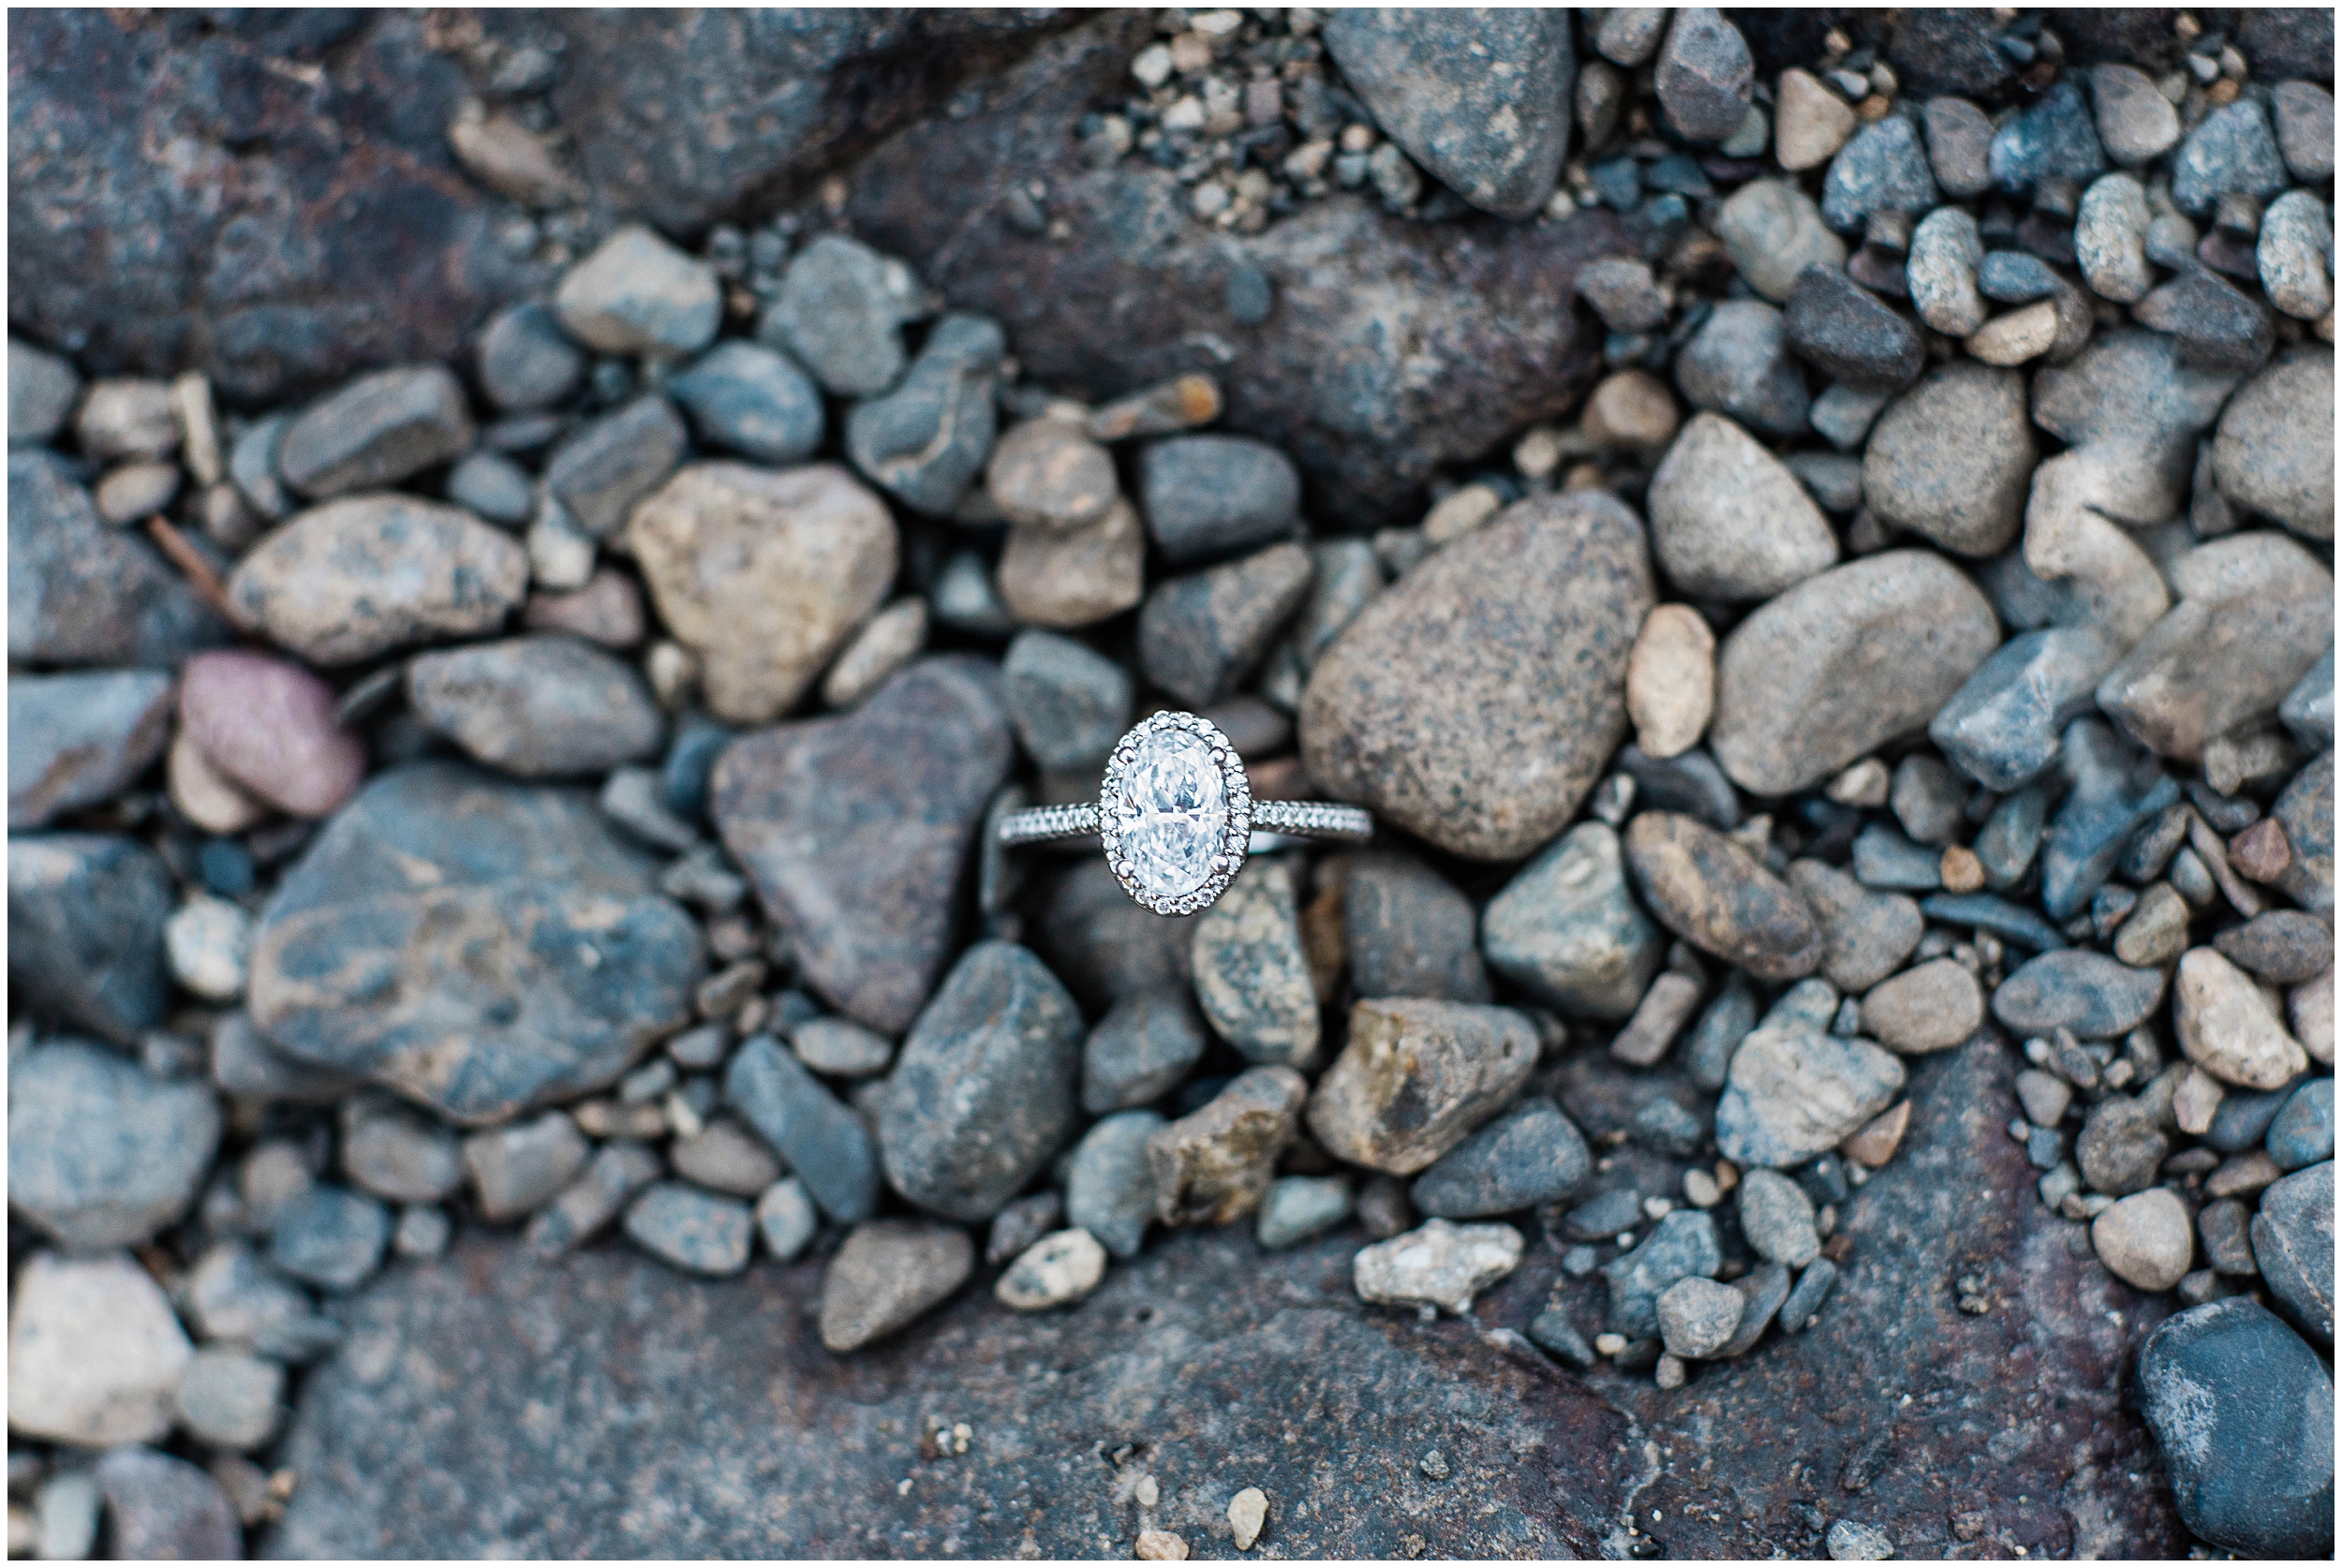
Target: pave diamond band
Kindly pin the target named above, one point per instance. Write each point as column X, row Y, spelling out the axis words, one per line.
column 1041, row 824
column 1176, row 815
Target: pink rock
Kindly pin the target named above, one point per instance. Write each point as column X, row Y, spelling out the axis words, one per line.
column 607, row 610
column 268, row 725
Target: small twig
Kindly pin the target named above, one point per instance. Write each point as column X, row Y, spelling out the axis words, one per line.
column 187, row 559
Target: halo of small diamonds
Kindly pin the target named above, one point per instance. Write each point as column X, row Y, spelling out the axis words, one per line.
column 1233, row 836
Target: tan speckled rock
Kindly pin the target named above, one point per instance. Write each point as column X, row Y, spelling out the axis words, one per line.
column 2228, row 1026
column 2146, row 1239
column 1417, row 1077
column 1712, row 891
column 365, row 574
column 1213, row 1166
column 1951, row 458
column 1076, row 577
column 1729, row 521
column 1932, row 1007
column 763, row 574
column 1843, row 663
column 1671, row 680
column 1476, row 700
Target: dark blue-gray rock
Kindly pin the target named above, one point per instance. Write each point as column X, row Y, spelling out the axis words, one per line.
column 1986, row 912
column 1110, row 1184
column 1951, row 459
column 85, row 930
column 1567, row 930
column 926, row 440
column 693, row 1230
column 2057, row 138
column 747, row 398
column 2096, row 996
column 42, row 389
column 1726, row 1021
column 1689, row 782
column 1713, row 893
column 1865, row 936
column 377, row 430
column 2111, row 789
column 1204, row 496
column 1883, row 170
column 243, row 1063
column 2011, row 834
column 2230, row 150
column 1666, row 1129
column 602, row 470
column 525, row 361
column 1738, row 364
column 985, row 1089
column 2302, row 1132
column 375, row 955
column 1069, row 702
column 1141, row 1050
column 1104, row 943
column 2244, row 1116
column 2001, row 729
column 2221, row 331
column 856, row 829
column 2285, row 947
column 2244, row 1412
column 1812, row 1289
column 82, row 593
column 840, row 312
column 161, row 1506
column 1476, row 700
column 1683, row 1245
column 1480, row 99
column 1531, row 1154
column 495, row 487
column 77, row 739
column 2016, row 277
column 1297, row 1208
column 1850, row 335
column 1605, row 1216
column 2306, row 811
column 1199, row 635
column 101, row 1153
column 1410, row 933
column 2293, row 1244
column 1705, row 75
column 547, row 705
column 824, row 1145
column 332, row 1239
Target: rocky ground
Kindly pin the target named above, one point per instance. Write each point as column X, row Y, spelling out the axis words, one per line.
column 541, row 543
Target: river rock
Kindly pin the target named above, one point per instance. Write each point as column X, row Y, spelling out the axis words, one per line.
column 2111, row 239
column 94, row 1353
column 924, row 441
column 1076, row 577
column 888, row 1275
column 1791, row 1094
column 86, row 914
column 2089, row 993
column 827, row 1144
column 1932, row 1007
column 1204, row 496
column 2227, row 1027
column 1436, row 1265
column 747, row 398
column 1712, row 891
column 841, row 310
column 1409, row 933
column 75, row 740
column 1950, row 460
column 82, row 593
column 855, row 829
column 638, row 295
column 1140, row 1050
column 367, row 959
column 2293, row 1240
column 101, row 1154
column 1774, row 231
column 1212, row 1165
column 1201, row 634
column 1683, row 1245
column 1941, row 273
column 1528, row 1155
column 763, row 574
column 2230, row 150
column 2002, row 727
column 1500, row 661
column 1728, row 521
column 376, row 431
column 1479, row 99
column 543, row 706
column 2275, row 450
column 1842, row 663
column 1865, row 936
column 525, row 361
column 2296, row 241
column 2255, row 611
column 365, row 574
column 1882, row 169
column 1110, row 1181
column 984, row 1091
column 1417, row 1077
column 270, row 727
column 1739, row 365
column 1849, row 333
column 1251, row 974
column 1705, row 75
column 1567, row 930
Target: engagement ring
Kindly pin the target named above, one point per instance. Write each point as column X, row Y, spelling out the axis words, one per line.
column 1177, row 815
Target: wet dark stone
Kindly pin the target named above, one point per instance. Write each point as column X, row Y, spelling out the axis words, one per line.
column 1410, row 933
column 82, row 593
column 85, row 930
column 2089, row 993
column 825, row 1145
column 1528, row 1155
column 1850, row 333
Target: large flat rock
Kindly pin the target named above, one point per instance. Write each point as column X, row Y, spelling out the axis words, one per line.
column 488, row 1404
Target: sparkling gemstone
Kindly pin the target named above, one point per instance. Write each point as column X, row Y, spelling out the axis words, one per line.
column 1170, row 811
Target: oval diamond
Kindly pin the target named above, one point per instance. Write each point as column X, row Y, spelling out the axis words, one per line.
column 1169, row 810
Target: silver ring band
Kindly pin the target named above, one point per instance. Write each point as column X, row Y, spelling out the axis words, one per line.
column 1176, row 815
column 1303, row 819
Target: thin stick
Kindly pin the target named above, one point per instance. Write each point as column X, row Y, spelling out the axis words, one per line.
column 200, row 573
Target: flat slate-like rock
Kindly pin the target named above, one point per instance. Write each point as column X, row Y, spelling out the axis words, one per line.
column 1475, row 702
column 855, row 829
column 85, row 929
column 414, row 942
